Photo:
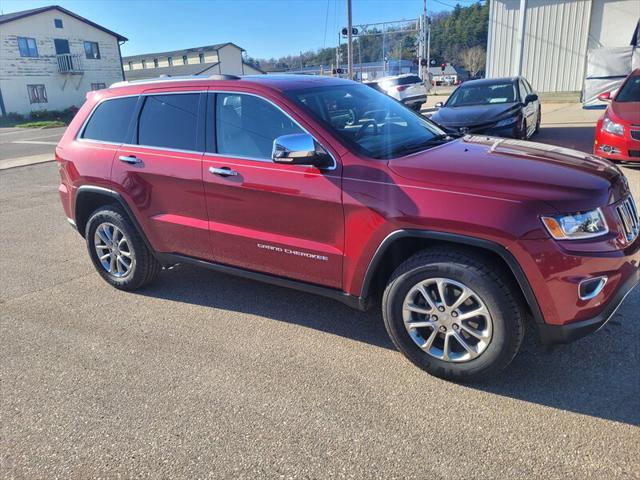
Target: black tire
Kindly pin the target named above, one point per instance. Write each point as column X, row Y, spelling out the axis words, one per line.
column 144, row 266
column 495, row 290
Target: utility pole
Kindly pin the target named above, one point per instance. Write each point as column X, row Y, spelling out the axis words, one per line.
column 349, row 41
column 426, row 25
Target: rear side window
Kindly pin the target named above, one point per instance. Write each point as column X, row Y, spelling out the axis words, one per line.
column 110, row 120
column 170, row 121
column 246, row 126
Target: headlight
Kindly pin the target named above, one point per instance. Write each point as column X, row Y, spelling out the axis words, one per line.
column 612, row 127
column 505, row 122
column 576, row 226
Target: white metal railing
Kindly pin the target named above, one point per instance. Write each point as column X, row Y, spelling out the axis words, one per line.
column 69, row 63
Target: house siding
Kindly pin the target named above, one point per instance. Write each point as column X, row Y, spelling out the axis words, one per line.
column 63, row 90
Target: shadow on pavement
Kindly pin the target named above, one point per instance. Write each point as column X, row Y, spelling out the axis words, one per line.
column 595, row 376
column 577, row 137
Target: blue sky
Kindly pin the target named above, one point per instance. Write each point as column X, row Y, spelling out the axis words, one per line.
column 265, row 28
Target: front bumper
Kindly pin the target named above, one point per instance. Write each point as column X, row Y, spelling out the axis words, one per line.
column 616, row 148
column 415, row 99
column 553, row 334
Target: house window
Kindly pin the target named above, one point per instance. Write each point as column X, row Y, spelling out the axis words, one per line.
column 28, row 47
column 155, row 63
column 57, row 22
column 170, row 61
column 144, row 64
column 130, row 65
column 201, row 57
column 37, row 94
column 98, row 86
column 184, row 60
column 91, row 50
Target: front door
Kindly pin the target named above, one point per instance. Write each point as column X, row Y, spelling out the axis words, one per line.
column 159, row 172
column 285, row 220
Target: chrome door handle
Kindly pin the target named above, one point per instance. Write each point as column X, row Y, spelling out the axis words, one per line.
column 133, row 160
column 223, row 172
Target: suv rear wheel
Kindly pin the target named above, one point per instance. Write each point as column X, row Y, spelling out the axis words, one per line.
column 117, row 250
column 453, row 315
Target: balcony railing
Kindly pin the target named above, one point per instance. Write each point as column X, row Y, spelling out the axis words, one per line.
column 69, row 63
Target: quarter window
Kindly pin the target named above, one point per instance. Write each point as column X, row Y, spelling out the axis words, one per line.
column 110, row 121
column 246, row 126
column 37, row 94
column 170, row 121
column 27, row 47
column 91, row 50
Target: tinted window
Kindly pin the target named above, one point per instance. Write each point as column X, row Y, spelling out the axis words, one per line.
column 630, row 91
column 170, row 121
column 408, row 80
column 246, row 126
column 483, row 94
column 110, row 121
column 370, row 121
column 523, row 91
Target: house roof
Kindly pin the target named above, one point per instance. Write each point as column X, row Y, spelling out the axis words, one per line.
column 176, row 70
column 9, row 17
column 448, row 70
column 179, row 53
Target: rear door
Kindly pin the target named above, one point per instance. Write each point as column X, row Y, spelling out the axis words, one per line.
column 159, row 171
column 285, row 220
column 413, row 87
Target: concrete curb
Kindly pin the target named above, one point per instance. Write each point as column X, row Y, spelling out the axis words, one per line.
column 24, row 161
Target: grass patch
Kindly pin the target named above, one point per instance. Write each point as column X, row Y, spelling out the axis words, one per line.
column 42, row 124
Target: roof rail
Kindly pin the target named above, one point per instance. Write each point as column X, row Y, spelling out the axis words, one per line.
column 168, row 78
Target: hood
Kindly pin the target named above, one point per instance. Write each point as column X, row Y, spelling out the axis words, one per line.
column 474, row 114
column 628, row 112
column 566, row 179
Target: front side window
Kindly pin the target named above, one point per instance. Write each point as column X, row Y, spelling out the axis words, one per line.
column 98, row 86
column 246, row 126
column 169, row 121
column 630, row 91
column 483, row 94
column 27, row 47
column 110, row 120
column 37, row 94
column 368, row 121
column 91, row 50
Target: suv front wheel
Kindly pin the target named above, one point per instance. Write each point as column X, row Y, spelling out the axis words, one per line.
column 452, row 315
column 117, row 250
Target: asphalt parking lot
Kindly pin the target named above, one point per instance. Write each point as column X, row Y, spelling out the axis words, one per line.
column 201, row 375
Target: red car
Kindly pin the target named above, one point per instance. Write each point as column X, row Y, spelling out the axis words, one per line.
column 333, row 188
column 618, row 130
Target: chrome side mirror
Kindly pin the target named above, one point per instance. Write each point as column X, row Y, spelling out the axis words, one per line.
column 300, row 149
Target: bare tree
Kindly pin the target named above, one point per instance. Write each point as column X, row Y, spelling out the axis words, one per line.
column 473, row 59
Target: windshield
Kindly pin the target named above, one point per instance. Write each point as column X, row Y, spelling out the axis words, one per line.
column 630, row 91
column 483, row 94
column 369, row 121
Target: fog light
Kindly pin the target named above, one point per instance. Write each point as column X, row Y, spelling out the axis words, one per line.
column 609, row 149
column 590, row 288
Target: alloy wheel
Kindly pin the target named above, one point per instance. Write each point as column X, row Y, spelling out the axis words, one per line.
column 447, row 320
column 113, row 250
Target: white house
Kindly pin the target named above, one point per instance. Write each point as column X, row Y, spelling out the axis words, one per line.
column 222, row 58
column 51, row 57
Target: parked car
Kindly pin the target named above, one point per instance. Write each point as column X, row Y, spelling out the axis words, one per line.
column 504, row 107
column 407, row 88
column 618, row 130
column 463, row 239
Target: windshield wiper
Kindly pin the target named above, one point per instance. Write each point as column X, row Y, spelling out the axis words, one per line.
column 414, row 147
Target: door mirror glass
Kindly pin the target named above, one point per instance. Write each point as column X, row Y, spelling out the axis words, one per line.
column 300, row 149
column 532, row 97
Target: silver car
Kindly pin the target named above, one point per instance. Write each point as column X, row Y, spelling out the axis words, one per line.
column 407, row 88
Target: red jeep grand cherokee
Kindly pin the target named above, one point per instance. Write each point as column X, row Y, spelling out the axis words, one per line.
column 333, row 188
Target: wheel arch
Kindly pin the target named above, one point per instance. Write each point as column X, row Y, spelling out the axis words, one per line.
column 88, row 198
column 402, row 244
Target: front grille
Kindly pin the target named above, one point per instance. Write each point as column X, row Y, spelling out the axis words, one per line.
column 628, row 214
column 635, row 134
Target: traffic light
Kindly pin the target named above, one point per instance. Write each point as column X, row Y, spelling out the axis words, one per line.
column 423, row 62
column 443, row 66
column 345, row 31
